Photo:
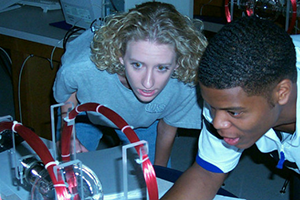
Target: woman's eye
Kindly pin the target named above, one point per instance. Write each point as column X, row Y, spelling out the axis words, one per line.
column 137, row 65
column 162, row 68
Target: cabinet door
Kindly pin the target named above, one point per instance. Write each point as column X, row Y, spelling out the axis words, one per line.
column 33, row 92
column 35, row 96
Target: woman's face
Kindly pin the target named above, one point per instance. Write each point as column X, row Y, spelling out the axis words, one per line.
column 148, row 67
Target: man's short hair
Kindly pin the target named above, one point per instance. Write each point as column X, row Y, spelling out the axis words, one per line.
column 250, row 53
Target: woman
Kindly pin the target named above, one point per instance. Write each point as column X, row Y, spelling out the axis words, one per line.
column 142, row 64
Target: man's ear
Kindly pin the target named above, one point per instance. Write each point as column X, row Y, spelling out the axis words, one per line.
column 283, row 91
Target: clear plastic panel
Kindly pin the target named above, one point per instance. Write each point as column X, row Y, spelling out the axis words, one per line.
column 143, row 151
column 81, row 181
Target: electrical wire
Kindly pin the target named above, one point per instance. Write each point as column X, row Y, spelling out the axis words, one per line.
column 21, row 72
column 6, row 54
column 52, row 54
column 5, row 59
column 204, row 5
column 69, row 33
column 113, row 5
column 19, row 85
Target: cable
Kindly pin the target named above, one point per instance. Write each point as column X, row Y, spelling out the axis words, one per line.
column 21, row 71
column 19, row 85
column 113, row 5
column 7, row 62
column 203, row 6
column 6, row 54
column 52, row 53
column 67, row 36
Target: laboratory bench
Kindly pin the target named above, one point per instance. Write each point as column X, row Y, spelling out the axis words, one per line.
column 106, row 164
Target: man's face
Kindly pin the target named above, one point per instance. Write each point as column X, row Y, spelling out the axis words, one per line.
column 240, row 119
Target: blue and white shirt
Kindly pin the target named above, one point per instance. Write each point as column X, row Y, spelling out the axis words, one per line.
column 217, row 156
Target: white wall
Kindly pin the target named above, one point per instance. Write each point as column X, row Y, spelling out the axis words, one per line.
column 185, row 7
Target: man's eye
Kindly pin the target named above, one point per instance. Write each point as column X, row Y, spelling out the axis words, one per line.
column 235, row 114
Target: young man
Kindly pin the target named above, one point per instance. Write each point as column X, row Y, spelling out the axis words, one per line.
column 248, row 80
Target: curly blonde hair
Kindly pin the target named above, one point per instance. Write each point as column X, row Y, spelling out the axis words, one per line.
column 156, row 22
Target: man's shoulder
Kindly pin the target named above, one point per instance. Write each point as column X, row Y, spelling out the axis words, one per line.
column 296, row 40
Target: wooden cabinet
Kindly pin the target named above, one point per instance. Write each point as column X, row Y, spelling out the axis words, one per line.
column 209, row 8
column 37, row 78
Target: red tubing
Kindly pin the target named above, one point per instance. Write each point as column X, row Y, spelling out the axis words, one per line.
column 40, row 148
column 227, row 12
column 294, row 16
column 250, row 12
column 148, row 170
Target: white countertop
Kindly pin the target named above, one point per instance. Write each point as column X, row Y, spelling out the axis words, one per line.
column 32, row 24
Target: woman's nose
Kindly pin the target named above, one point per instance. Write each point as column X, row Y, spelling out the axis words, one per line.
column 148, row 79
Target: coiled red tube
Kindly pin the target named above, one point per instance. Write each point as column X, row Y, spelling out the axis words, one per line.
column 42, row 151
column 148, row 170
